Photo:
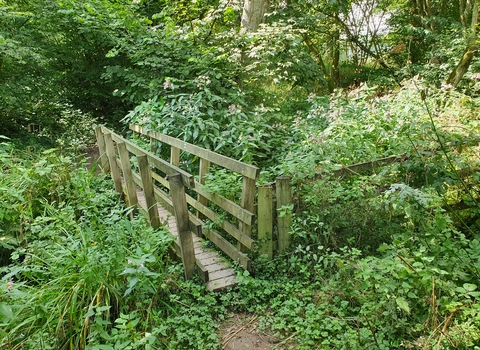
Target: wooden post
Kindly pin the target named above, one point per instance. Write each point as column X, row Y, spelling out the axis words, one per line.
column 284, row 222
column 265, row 221
column 248, row 198
column 175, row 156
column 127, row 174
column 177, row 191
column 103, row 161
column 147, row 184
column 204, row 169
column 112, row 161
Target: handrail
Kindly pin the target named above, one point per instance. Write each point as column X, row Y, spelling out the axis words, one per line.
column 244, row 169
column 160, row 164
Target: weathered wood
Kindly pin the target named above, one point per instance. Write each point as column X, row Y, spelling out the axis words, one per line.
column 265, row 221
column 211, row 267
column 244, row 169
column 207, row 254
column 202, row 270
column 225, row 225
column 204, row 169
column 227, row 248
column 103, row 160
column 356, row 168
column 147, row 185
column 284, row 220
column 217, row 267
column 175, row 156
column 221, row 283
column 165, row 201
column 226, row 204
column 221, row 273
column 162, row 165
column 236, row 210
column 112, row 161
column 181, row 215
column 215, row 259
column 248, row 198
column 131, row 191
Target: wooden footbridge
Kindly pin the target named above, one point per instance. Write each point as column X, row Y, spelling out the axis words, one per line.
column 170, row 196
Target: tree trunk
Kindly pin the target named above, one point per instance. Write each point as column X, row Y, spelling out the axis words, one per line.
column 253, row 14
column 321, row 63
column 336, row 58
column 429, row 11
column 462, row 67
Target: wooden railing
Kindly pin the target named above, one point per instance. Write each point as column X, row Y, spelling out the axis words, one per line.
column 242, row 213
column 117, row 160
column 164, row 182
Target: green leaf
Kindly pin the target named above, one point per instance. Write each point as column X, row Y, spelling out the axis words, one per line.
column 469, row 287
column 90, row 313
column 6, row 311
column 103, row 308
column 403, row 304
column 441, row 223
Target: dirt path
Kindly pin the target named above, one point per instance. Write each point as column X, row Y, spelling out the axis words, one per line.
column 242, row 332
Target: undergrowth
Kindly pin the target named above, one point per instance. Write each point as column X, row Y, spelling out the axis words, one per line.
column 386, row 257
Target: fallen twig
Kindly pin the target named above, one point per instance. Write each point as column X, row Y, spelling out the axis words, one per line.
column 224, row 343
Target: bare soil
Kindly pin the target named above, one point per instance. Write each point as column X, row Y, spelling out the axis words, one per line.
column 242, row 332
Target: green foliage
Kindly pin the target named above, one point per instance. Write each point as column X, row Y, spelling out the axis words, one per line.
column 385, row 257
column 77, row 272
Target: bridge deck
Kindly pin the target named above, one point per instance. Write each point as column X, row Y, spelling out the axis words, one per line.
column 215, row 270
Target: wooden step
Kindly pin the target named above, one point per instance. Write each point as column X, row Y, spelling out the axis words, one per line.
column 212, row 268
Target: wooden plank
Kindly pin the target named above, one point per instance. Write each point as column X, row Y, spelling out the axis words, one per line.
column 165, row 201
column 201, row 270
column 215, row 275
column 198, row 245
column 131, row 191
column 284, row 216
column 357, row 168
column 248, row 198
column 204, row 169
column 229, row 206
column 147, row 186
column 217, row 267
column 214, row 260
column 265, row 221
column 226, row 204
column 222, row 283
column 225, row 225
column 227, row 248
column 181, row 215
column 195, row 224
column 103, row 160
column 244, row 169
column 112, row 161
column 207, row 255
column 160, row 164
column 175, row 156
